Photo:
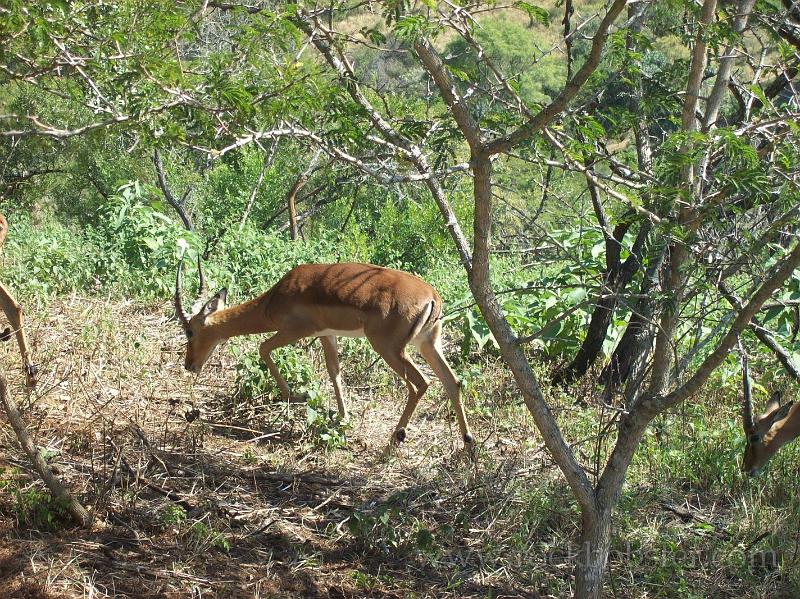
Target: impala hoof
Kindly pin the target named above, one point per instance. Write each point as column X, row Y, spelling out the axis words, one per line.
column 30, row 375
column 400, row 435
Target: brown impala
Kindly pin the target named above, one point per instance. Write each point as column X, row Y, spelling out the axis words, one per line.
column 776, row 427
column 390, row 308
column 14, row 314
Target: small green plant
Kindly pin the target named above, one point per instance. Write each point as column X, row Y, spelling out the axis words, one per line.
column 172, row 515
column 391, row 529
column 253, row 378
column 248, row 457
column 201, row 535
column 34, row 508
column 326, row 427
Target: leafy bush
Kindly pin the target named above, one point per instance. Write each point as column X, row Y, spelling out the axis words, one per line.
column 49, row 259
column 553, row 308
column 140, row 238
column 325, row 426
column 253, row 378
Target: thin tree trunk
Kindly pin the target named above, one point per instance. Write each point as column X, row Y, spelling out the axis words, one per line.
column 630, row 356
column 631, row 353
column 616, row 280
column 592, row 557
column 292, row 196
column 254, row 192
column 617, row 276
column 678, row 252
column 59, row 491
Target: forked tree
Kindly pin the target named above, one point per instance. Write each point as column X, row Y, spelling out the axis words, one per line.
column 676, row 222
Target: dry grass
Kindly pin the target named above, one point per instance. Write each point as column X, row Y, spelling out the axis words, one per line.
column 204, row 495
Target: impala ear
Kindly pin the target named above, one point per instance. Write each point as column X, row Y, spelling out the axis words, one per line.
column 216, row 303
column 774, row 402
column 780, row 413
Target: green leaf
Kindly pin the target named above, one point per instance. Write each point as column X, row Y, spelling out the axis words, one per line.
column 576, row 296
column 536, row 13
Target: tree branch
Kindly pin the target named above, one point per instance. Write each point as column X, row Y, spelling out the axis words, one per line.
column 571, row 89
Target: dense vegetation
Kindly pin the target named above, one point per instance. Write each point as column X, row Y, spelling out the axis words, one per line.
column 604, row 195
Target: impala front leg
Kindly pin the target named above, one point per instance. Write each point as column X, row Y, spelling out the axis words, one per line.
column 265, row 349
column 329, row 346
column 14, row 314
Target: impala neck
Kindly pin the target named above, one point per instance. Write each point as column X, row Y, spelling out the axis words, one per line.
column 248, row 318
column 784, row 432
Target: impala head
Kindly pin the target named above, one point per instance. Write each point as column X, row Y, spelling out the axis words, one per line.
column 201, row 340
column 761, row 432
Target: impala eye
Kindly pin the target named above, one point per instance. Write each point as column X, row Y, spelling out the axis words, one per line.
column 189, row 334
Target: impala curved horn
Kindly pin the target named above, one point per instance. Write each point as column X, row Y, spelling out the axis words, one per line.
column 211, row 244
column 203, row 293
column 748, row 423
column 182, row 316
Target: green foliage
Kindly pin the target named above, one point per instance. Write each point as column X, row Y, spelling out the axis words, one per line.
column 554, row 308
column 324, row 425
column 140, row 238
column 33, row 508
column 172, row 515
column 391, row 529
column 253, row 378
column 201, row 536
column 513, row 47
column 49, row 259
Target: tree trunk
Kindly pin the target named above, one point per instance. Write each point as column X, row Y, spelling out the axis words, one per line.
column 290, row 201
column 592, row 554
column 291, row 197
column 616, row 279
column 635, row 344
column 177, row 205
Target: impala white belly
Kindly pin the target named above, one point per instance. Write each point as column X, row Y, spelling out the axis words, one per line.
column 336, row 333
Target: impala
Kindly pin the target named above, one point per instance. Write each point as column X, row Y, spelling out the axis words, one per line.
column 391, row 308
column 776, row 427
column 14, row 314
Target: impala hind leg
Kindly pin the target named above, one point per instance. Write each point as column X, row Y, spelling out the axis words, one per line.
column 431, row 350
column 416, row 382
column 329, row 346
column 279, row 339
column 15, row 317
